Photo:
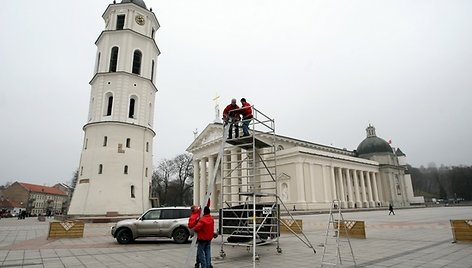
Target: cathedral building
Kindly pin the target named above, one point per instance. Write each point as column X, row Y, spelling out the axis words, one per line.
column 310, row 176
column 116, row 161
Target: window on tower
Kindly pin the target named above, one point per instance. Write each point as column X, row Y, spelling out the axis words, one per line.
column 100, row 169
column 105, row 141
column 132, row 191
column 132, row 103
column 120, row 22
column 113, row 59
column 137, row 62
column 109, row 105
column 128, row 143
column 125, row 171
column 152, row 71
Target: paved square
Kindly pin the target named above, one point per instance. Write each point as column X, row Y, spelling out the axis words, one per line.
column 419, row 237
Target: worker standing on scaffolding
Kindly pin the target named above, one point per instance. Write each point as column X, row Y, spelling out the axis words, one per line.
column 246, row 112
column 232, row 117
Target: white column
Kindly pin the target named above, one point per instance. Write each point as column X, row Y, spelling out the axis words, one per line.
column 196, row 182
column 234, row 177
column 325, row 183
column 369, row 189
column 341, row 188
column 333, row 185
column 376, row 190
column 211, row 173
column 358, row 201
column 349, row 189
column 381, row 185
column 364, row 197
column 312, row 183
column 300, row 183
column 203, row 179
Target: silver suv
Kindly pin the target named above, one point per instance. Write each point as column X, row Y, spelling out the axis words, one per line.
column 156, row 222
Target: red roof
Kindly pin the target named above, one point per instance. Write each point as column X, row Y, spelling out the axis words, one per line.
column 41, row 189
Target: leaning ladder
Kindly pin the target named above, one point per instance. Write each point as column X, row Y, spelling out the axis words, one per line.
column 193, row 247
column 334, row 245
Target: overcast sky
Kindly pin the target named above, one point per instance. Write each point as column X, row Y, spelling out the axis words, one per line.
column 323, row 70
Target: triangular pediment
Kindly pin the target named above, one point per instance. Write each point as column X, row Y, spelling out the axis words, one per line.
column 211, row 134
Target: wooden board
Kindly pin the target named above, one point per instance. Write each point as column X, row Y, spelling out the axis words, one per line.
column 461, row 230
column 66, row 229
column 355, row 229
column 295, row 225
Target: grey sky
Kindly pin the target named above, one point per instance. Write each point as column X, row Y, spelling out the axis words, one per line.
column 323, row 69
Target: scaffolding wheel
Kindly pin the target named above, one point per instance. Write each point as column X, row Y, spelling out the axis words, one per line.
column 257, row 257
column 222, row 254
column 279, row 250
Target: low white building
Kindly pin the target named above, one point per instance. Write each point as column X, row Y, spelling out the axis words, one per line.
column 310, row 175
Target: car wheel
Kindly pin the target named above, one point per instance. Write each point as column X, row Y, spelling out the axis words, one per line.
column 180, row 235
column 124, row 236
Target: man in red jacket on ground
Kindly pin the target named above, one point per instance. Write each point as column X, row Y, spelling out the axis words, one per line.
column 192, row 221
column 205, row 229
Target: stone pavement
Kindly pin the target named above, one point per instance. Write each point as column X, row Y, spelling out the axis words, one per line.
column 419, row 237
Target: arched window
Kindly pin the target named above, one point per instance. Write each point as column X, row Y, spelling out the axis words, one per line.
column 105, row 141
column 100, row 169
column 137, row 62
column 113, row 59
column 85, row 145
column 146, row 173
column 132, row 102
column 125, row 171
column 109, row 105
column 147, row 146
column 128, row 143
column 132, row 191
column 81, row 170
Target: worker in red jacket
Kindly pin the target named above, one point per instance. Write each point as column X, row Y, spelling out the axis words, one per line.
column 246, row 112
column 205, row 230
column 232, row 117
column 192, row 221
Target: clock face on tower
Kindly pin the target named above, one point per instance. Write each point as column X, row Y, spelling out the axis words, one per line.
column 140, row 19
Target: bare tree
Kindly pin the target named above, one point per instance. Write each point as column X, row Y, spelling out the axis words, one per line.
column 184, row 176
column 172, row 181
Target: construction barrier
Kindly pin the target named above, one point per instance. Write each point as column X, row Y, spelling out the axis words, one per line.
column 355, row 229
column 66, row 229
column 461, row 230
column 289, row 226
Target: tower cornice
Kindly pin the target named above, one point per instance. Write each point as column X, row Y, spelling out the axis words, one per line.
column 130, row 31
column 130, row 5
column 119, row 123
column 123, row 73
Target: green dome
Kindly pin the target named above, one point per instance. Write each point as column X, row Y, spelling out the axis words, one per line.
column 373, row 144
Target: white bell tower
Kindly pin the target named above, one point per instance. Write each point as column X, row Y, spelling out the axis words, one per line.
column 116, row 162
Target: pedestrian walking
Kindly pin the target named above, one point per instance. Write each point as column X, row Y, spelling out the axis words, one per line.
column 390, row 209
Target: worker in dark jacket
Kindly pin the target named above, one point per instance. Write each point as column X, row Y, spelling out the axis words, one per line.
column 205, row 230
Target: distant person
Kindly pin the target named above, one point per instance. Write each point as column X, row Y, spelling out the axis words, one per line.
column 205, row 228
column 232, row 117
column 192, row 221
column 246, row 112
column 390, row 209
